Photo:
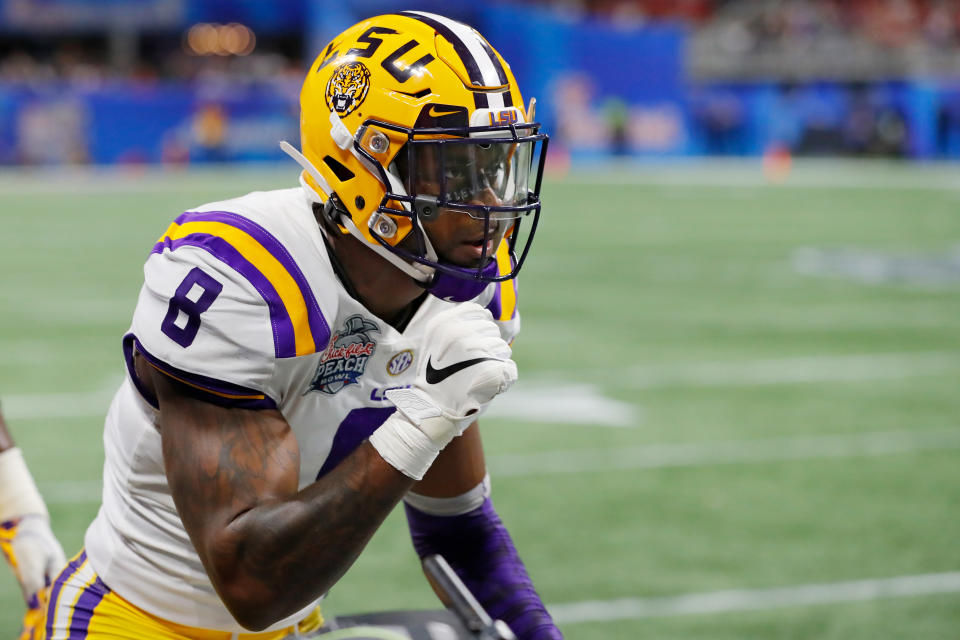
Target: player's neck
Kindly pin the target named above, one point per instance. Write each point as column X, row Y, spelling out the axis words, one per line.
column 379, row 286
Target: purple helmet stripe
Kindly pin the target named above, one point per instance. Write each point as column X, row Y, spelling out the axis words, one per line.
column 217, row 391
column 83, row 611
column 318, row 324
column 283, row 335
column 68, row 572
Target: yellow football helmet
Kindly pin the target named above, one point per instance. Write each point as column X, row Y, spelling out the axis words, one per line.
column 410, row 115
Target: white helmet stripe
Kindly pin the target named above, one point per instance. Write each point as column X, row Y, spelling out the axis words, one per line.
column 495, row 101
column 478, row 52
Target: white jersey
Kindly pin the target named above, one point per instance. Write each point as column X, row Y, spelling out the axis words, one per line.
column 241, row 302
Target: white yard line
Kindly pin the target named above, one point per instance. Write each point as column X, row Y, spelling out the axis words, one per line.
column 756, row 599
column 796, row 370
column 659, row 456
column 516, row 465
column 69, row 404
column 562, row 403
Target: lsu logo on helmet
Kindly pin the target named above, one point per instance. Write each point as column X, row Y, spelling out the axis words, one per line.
column 347, row 88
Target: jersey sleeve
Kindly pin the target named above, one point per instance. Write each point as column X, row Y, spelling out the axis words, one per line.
column 202, row 325
column 222, row 301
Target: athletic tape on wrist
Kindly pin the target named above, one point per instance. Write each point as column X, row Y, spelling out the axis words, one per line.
column 404, row 446
column 18, row 492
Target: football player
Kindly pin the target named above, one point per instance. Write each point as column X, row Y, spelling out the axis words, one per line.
column 300, row 361
column 26, row 540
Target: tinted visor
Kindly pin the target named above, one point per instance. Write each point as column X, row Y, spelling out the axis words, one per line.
column 470, row 172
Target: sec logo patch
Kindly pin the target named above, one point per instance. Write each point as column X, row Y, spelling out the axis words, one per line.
column 399, row 363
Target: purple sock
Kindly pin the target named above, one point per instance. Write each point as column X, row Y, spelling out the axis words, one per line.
column 478, row 547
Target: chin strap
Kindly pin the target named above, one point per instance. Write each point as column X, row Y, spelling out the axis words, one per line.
column 308, row 167
column 419, row 272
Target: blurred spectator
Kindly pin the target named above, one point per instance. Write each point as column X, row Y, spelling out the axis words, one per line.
column 839, row 39
column 52, row 133
column 948, row 125
column 616, row 114
column 721, row 115
column 209, row 128
column 858, row 128
column 578, row 124
column 891, row 134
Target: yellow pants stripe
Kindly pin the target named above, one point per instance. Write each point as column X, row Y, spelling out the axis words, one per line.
column 86, row 609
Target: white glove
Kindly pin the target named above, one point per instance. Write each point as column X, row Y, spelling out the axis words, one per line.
column 462, row 366
column 25, row 535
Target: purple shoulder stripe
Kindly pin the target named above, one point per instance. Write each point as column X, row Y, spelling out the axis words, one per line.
column 224, row 394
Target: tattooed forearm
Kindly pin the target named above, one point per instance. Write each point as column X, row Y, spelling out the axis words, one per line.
column 304, row 545
column 269, row 549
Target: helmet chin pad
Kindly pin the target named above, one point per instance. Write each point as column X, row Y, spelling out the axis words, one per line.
column 453, row 288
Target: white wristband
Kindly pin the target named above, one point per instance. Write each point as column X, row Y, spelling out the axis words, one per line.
column 18, row 492
column 404, row 446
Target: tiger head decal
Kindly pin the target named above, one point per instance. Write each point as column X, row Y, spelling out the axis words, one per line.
column 348, row 87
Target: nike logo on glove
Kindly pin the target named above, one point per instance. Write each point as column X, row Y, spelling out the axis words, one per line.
column 439, row 375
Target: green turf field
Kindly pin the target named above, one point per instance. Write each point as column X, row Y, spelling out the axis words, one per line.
column 739, row 407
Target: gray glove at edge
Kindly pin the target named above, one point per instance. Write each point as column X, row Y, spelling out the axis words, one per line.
column 34, row 552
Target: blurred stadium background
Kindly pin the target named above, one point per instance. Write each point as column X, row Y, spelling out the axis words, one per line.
column 738, row 413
